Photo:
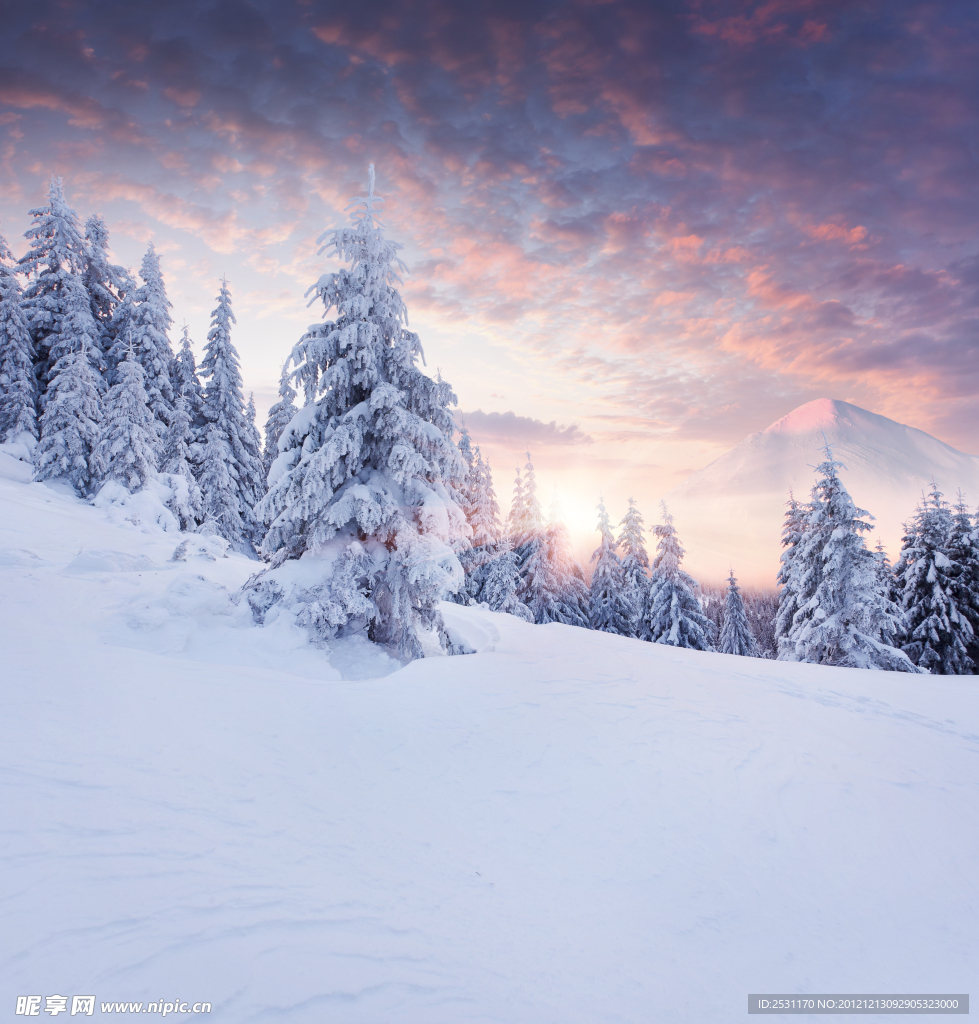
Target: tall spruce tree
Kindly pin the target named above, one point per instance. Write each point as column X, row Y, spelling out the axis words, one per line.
column 186, row 382
column 180, row 455
column 53, row 264
column 675, row 616
column 938, row 633
column 610, row 609
column 517, row 511
column 105, row 283
column 498, row 587
column 839, row 619
column 795, row 587
column 485, row 521
column 18, row 386
column 71, row 425
column 229, row 493
column 144, row 323
column 552, row 584
column 736, row 636
column 635, row 567
column 128, row 449
column 892, row 618
column 367, row 496
column 279, row 418
column 963, row 553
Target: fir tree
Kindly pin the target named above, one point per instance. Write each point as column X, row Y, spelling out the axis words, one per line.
column 178, row 461
column 842, row 622
column 229, row 493
column 54, row 264
column 938, row 633
column 736, row 636
column 144, row 323
column 517, row 512
column 552, row 584
column 609, row 607
column 675, row 616
column 186, row 382
column 105, row 283
column 963, row 553
column 485, row 521
column 18, row 387
column 794, row 590
column 367, row 489
column 635, row 567
column 499, row 587
column 128, row 448
column 892, row 618
column 279, row 418
column 71, row 425
column 253, row 446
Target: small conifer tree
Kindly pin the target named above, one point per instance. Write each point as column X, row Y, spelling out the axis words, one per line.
column 736, row 636
column 609, row 607
column 18, row 386
column 128, row 450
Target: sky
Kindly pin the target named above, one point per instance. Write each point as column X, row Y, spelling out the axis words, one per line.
column 636, row 231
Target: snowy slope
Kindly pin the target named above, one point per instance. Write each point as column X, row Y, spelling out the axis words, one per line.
column 730, row 512
column 565, row 827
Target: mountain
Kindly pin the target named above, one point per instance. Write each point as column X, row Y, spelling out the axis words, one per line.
column 730, row 512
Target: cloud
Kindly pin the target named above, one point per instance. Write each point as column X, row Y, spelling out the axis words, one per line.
column 519, row 431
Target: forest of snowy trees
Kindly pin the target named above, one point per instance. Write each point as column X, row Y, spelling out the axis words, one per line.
column 368, row 511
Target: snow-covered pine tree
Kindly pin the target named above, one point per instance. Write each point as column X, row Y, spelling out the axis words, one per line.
column 609, row 607
column 892, row 618
column 180, row 455
column 105, row 283
column 938, row 633
column 144, row 324
column 71, row 425
column 128, row 449
column 517, row 511
column 736, row 636
column 675, row 616
column 841, row 623
column 796, row 586
column 253, row 446
column 57, row 255
column 186, row 382
column 485, row 522
column 552, row 584
column 363, row 500
column 476, row 497
column 18, row 386
column 499, row 587
column 635, row 567
column 229, row 494
column 279, row 418
column 963, row 553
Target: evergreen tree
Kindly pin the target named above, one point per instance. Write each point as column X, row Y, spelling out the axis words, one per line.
column 609, row 607
column 252, row 440
column 368, row 491
column 892, row 618
column 229, row 493
column 842, row 622
column 128, row 447
column 736, row 636
column 485, row 521
column 499, row 587
column 186, row 382
column 71, row 425
column 517, row 512
column 795, row 587
column 144, row 323
column 105, row 283
column 279, row 417
column 963, row 553
column 18, row 387
column 552, row 584
column 178, row 460
column 54, row 264
column 938, row 633
column 675, row 616
column 635, row 567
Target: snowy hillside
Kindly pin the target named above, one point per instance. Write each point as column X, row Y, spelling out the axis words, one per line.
column 565, row 827
column 731, row 511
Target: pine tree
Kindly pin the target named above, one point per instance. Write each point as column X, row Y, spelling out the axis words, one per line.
column 279, row 418
column 105, row 283
column 796, row 587
column 252, row 440
column 368, row 491
column 938, row 633
column 485, row 522
column 186, row 382
column 128, row 447
column 609, row 607
column 54, row 263
column 499, row 587
column 635, row 567
column 736, row 636
column 842, row 622
column 229, row 495
column 178, row 460
column 517, row 512
column 675, row 616
column 892, row 618
column 963, row 553
column 18, row 386
column 552, row 584
column 71, row 425
column 144, row 323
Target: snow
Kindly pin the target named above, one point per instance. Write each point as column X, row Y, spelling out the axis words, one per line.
column 568, row 826
column 730, row 512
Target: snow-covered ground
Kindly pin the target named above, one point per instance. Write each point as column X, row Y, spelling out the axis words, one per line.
column 564, row 827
